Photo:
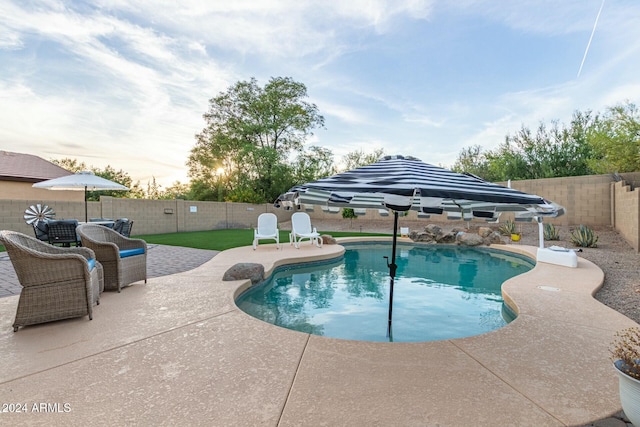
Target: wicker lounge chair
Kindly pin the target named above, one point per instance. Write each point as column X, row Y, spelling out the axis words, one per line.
column 57, row 283
column 124, row 260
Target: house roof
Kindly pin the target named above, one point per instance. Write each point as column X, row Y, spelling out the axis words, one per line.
column 28, row 168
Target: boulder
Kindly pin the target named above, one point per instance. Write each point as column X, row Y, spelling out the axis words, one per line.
column 494, row 238
column 433, row 230
column 484, row 231
column 469, row 239
column 421, row 237
column 328, row 240
column 245, row 270
column 449, row 237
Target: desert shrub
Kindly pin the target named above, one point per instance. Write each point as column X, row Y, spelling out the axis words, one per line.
column 584, row 237
column 348, row 213
column 508, row 228
column 550, row 232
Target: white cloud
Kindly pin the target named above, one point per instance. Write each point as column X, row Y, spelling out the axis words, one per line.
column 343, row 113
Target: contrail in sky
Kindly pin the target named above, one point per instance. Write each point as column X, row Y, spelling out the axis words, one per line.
column 586, row 51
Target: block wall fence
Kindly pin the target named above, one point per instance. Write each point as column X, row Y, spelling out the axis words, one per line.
column 595, row 200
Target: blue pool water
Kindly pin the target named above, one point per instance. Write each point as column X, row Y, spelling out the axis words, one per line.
column 440, row 292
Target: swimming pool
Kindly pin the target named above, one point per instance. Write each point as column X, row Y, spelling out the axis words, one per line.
column 441, row 292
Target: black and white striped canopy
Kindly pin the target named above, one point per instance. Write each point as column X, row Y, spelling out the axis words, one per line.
column 402, row 183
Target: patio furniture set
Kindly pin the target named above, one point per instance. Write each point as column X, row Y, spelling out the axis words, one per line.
column 66, row 282
column 63, row 232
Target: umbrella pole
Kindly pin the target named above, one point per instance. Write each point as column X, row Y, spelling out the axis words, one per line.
column 85, row 204
column 392, row 269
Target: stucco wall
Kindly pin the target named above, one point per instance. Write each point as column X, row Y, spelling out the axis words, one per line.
column 149, row 216
column 587, row 199
column 626, row 212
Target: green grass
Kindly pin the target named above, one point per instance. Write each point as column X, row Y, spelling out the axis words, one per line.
column 220, row 240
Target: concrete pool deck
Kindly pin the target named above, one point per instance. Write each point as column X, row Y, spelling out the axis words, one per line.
column 177, row 351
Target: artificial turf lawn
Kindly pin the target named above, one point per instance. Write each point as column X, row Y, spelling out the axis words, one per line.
column 220, row 240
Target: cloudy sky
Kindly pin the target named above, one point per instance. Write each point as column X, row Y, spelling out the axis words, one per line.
column 125, row 83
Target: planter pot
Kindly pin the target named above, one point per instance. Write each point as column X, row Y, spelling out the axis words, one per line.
column 515, row 237
column 629, row 395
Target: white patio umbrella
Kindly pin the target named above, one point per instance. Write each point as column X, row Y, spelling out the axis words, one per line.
column 403, row 183
column 84, row 180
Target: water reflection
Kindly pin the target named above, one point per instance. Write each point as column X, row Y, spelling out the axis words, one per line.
column 440, row 292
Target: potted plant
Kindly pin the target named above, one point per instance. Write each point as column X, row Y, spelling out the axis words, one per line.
column 625, row 353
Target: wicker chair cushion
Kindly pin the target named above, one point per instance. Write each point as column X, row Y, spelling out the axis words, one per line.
column 131, row 252
column 92, row 263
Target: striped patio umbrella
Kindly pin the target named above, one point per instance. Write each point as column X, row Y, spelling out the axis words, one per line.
column 403, row 183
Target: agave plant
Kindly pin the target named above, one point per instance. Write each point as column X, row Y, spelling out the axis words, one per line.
column 584, row 237
column 550, row 232
column 508, row 228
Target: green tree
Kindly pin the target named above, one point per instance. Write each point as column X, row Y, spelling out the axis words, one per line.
column 313, row 164
column 121, row 177
column 200, row 190
column 358, row 158
column 472, row 160
column 547, row 152
column 176, row 191
column 615, row 140
column 251, row 132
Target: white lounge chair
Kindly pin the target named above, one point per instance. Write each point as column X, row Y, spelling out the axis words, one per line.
column 301, row 229
column 267, row 229
column 404, row 231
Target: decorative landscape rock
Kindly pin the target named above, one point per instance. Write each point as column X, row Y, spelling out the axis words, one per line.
column 245, row 270
column 435, row 234
column 469, row 239
column 484, row 231
column 421, row 237
column 449, row 237
column 328, row 240
column 494, row 238
column 434, row 231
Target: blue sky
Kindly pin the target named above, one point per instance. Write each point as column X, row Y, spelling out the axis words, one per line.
column 125, row 83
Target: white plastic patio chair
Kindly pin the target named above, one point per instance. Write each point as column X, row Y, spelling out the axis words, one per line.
column 301, row 229
column 267, row 229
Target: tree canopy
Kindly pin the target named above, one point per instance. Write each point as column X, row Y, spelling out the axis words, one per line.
column 615, row 140
column 358, row 158
column 243, row 153
column 590, row 144
column 121, row 177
